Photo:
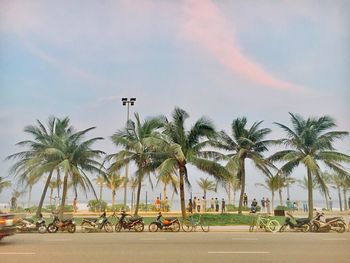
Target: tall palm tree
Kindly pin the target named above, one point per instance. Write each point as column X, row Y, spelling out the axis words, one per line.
column 178, row 147
column 113, row 182
column 275, row 183
column 4, row 184
column 168, row 179
column 310, row 143
column 54, row 185
column 206, row 185
column 337, row 181
column 232, row 181
column 245, row 143
column 30, row 181
column 100, row 181
column 135, row 150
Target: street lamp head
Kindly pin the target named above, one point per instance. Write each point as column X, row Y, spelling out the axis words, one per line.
column 133, row 99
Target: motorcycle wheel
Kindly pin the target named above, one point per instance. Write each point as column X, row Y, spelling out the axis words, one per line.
column 51, row 228
column 305, row 228
column 340, row 228
column 118, row 227
column 176, row 227
column 283, row 228
column 71, row 228
column 153, row 227
column 273, row 226
column 187, row 225
column 315, row 228
column 108, row 227
column 42, row 229
column 139, row 227
column 85, row 227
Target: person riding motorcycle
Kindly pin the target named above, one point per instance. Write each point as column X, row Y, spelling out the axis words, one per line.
column 253, row 206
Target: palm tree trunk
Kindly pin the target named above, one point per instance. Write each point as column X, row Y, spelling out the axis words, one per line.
column 40, row 206
column 30, row 195
column 280, row 195
column 234, row 197
column 229, row 192
column 339, row 197
column 310, row 197
column 327, row 202
column 51, row 194
column 242, row 177
column 138, row 196
column 113, row 197
column 272, row 201
column 345, row 203
column 182, row 192
column 64, row 194
column 164, row 197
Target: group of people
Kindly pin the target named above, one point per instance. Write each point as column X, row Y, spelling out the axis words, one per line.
column 162, row 205
column 198, row 205
column 265, row 204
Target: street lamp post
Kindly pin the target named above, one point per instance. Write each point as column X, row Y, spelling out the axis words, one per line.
column 127, row 102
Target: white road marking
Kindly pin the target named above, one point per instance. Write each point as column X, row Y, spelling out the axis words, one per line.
column 58, row 240
column 152, row 239
column 239, row 238
column 17, row 253
column 238, row 252
column 334, row 239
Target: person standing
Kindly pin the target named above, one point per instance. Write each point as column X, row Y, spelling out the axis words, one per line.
column 203, row 205
column 212, row 205
column 263, row 205
column 289, row 204
column 223, row 205
column 245, row 200
column 198, row 205
column 75, row 207
column 189, row 206
column 330, row 204
column 253, row 206
column 194, row 206
column 158, row 204
column 267, row 203
column 216, row 204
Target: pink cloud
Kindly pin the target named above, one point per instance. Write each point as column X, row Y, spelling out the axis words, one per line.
column 207, row 27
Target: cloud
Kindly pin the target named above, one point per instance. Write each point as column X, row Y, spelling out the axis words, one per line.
column 207, row 27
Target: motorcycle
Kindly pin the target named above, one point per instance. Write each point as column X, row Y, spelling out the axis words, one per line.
column 61, row 225
column 28, row 225
column 135, row 223
column 170, row 223
column 335, row 223
column 298, row 224
column 96, row 224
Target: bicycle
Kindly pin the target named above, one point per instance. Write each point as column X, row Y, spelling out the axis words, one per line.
column 265, row 222
column 190, row 223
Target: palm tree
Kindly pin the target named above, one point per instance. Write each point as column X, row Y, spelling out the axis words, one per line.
column 244, row 144
column 54, row 185
column 113, row 182
column 311, row 143
column 276, row 183
column 167, row 179
column 100, row 181
column 232, row 182
column 31, row 180
column 4, row 184
column 337, row 181
column 132, row 139
column 133, row 183
column 178, row 147
column 206, row 185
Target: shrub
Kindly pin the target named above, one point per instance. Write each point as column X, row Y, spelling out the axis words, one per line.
column 117, row 207
column 97, row 205
column 282, row 207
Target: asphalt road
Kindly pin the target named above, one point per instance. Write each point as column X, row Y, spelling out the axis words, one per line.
column 176, row 247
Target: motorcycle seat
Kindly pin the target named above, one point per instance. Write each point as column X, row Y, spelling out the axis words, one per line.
column 331, row 218
column 170, row 218
column 302, row 220
column 91, row 219
column 135, row 218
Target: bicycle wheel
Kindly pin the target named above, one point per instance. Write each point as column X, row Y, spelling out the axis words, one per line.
column 283, row 228
column 187, row 225
column 204, row 226
column 86, row 227
column 108, row 227
column 273, row 226
column 118, row 227
column 340, row 228
column 176, row 227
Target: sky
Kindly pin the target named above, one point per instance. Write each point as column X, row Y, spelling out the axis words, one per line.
column 215, row 58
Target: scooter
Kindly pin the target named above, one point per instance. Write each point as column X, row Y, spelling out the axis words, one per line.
column 335, row 223
column 133, row 223
column 169, row 223
column 61, row 225
column 297, row 224
column 29, row 225
column 96, row 224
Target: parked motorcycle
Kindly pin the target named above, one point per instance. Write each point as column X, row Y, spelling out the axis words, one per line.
column 61, row 225
column 168, row 223
column 335, row 223
column 297, row 224
column 133, row 223
column 29, row 225
column 96, row 224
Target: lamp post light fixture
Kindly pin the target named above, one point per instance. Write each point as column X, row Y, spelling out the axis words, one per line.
column 127, row 102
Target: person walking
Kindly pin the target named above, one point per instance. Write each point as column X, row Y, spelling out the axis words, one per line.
column 245, row 200
column 203, row 205
column 223, row 206
column 216, row 204
column 267, row 203
column 212, row 205
column 263, row 205
column 75, row 207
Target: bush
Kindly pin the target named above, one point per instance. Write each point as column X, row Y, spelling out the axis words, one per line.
column 232, row 208
column 97, row 205
column 117, row 207
column 282, row 207
column 150, row 207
